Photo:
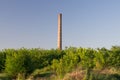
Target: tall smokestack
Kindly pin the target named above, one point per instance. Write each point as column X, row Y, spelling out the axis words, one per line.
column 59, row 31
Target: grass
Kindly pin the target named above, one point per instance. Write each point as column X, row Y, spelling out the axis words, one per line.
column 106, row 77
column 106, row 74
column 4, row 76
column 42, row 74
column 47, row 74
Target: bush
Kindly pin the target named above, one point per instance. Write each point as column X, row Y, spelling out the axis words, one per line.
column 25, row 61
column 87, row 57
column 66, row 63
column 114, row 58
column 2, row 60
column 18, row 62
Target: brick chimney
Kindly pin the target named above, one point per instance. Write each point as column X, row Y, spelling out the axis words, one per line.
column 59, row 44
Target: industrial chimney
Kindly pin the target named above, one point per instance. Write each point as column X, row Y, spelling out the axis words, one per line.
column 59, row 31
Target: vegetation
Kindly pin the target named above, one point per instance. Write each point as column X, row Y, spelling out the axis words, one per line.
column 69, row 64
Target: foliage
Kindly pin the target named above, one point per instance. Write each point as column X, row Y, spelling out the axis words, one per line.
column 25, row 61
column 87, row 57
column 2, row 60
column 115, row 56
column 66, row 63
column 17, row 62
column 106, row 77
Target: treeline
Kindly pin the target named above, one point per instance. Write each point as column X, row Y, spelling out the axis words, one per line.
column 26, row 61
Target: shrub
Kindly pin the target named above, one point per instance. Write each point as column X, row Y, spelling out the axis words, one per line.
column 66, row 63
column 2, row 60
column 87, row 57
column 25, row 61
column 18, row 62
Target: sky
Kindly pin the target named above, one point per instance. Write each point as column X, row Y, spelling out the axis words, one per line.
column 33, row 23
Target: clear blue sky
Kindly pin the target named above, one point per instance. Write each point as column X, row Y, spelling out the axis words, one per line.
column 33, row 23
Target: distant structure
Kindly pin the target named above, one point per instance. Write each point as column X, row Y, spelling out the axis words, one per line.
column 59, row 44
